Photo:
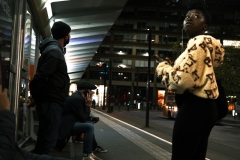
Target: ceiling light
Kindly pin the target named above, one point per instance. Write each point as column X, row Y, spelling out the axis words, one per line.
column 51, row 23
column 48, row 6
column 120, row 52
column 145, row 54
column 122, row 66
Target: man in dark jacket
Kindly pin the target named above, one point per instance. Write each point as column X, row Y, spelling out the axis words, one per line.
column 50, row 86
column 76, row 119
column 8, row 147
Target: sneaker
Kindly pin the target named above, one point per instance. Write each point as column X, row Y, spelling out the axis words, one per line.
column 95, row 157
column 89, row 157
column 100, row 149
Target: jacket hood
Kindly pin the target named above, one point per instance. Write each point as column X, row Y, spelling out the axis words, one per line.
column 47, row 42
column 212, row 45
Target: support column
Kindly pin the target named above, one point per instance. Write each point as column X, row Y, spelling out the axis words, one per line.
column 17, row 57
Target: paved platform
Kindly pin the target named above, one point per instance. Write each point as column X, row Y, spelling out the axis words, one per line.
column 124, row 141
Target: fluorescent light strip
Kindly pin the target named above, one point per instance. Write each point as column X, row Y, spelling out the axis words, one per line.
column 48, row 6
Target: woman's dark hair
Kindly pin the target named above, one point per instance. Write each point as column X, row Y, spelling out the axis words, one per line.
column 199, row 5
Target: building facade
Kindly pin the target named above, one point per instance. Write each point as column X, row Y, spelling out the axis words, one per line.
column 125, row 49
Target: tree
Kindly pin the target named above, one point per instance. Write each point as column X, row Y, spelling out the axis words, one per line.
column 177, row 49
column 235, row 28
column 229, row 72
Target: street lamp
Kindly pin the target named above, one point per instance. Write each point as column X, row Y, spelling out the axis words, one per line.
column 110, row 84
column 109, row 87
column 105, row 72
column 148, row 77
column 100, row 64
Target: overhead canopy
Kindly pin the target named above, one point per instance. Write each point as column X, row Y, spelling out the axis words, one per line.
column 90, row 21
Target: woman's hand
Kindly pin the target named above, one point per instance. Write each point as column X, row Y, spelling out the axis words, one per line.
column 4, row 101
column 159, row 60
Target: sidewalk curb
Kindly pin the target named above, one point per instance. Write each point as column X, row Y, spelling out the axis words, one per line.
column 227, row 120
column 233, row 121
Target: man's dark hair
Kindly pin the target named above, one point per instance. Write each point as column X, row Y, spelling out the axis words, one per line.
column 81, row 85
column 60, row 30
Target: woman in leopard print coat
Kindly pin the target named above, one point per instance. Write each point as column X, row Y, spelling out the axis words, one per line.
column 192, row 78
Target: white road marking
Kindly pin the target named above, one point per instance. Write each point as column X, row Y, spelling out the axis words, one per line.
column 163, row 140
column 151, row 148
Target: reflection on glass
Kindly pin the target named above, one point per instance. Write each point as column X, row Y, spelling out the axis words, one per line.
column 32, row 54
column 6, row 15
column 29, row 49
column 33, row 47
column 22, row 112
column 27, row 42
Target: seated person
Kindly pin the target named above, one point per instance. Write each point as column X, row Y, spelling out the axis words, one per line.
column 96, row 147
column 76, row 119
column 9, row 150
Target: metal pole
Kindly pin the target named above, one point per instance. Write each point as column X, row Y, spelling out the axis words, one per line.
column 109, row 87
column 105, row 72
column 148, row 79
column 137, row 86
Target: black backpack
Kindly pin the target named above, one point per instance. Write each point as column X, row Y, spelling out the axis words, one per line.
column 36, row 88
column 221, row 101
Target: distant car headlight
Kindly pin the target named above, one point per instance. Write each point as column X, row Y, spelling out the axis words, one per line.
column 233, row 112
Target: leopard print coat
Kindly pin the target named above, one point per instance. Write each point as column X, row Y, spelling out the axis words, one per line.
column 193, row 70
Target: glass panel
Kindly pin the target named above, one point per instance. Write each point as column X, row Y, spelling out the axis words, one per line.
column 32, row 54
column 119, row 76
column 128, row 11
column 144, row 77
column 142, row 38
column 6, row 20
column 27, row 61
column 104, row 49
column 122, row 51
column 124, row 24
column 100, row 75
column 22, row 112
column 122, row 95
column 141, row 25
column 27, row 42
column 143, row 51
column 33, row 47
column 165, row 53
column 140, row 97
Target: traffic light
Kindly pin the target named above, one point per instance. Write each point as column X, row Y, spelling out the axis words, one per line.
column 124, row 96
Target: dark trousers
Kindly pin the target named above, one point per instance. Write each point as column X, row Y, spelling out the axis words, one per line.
column 88, row 129
column 94, row 142
column 193, row 124
column 49, row 117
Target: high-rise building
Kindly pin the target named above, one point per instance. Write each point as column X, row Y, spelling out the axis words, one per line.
column 121, row 62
